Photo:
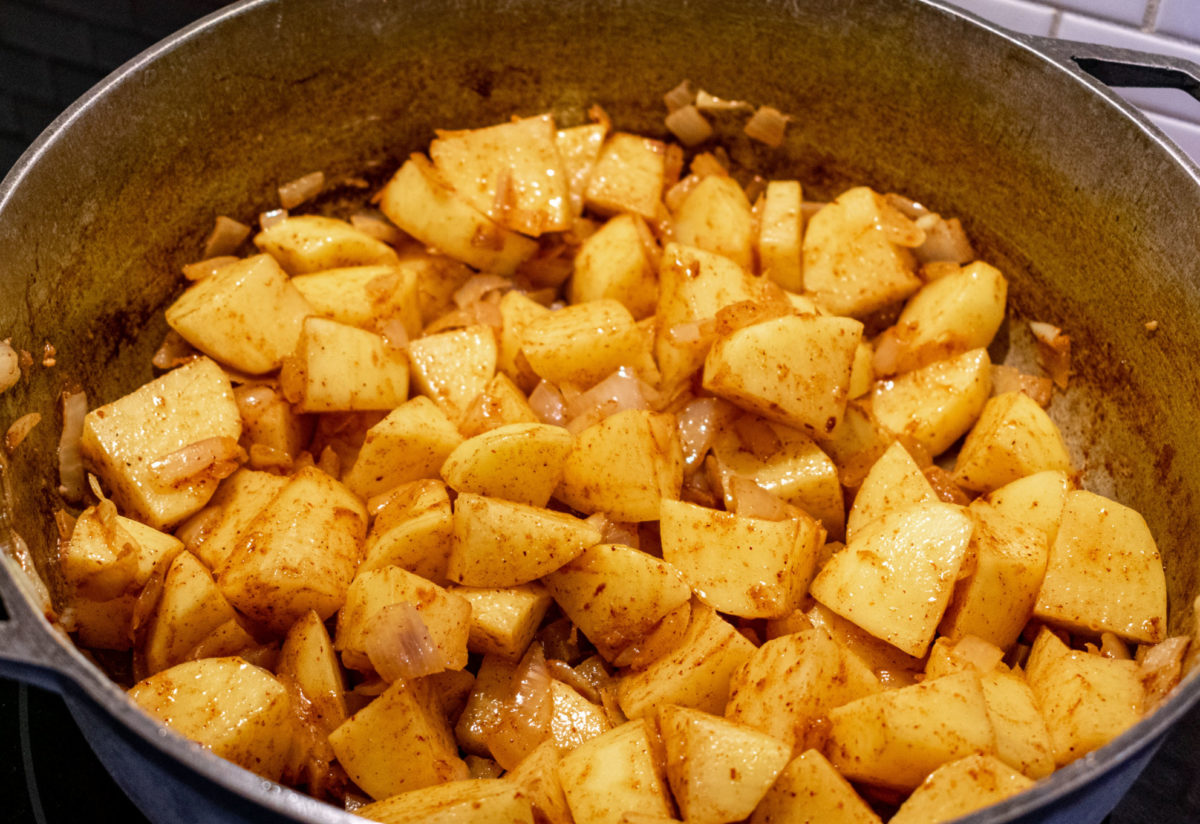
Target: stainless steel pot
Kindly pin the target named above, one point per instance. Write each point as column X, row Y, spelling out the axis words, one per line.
column 1085, row 206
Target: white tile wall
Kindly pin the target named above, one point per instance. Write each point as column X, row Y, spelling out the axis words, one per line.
column 1162, row 26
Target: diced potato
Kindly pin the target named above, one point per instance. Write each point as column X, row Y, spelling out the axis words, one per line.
column 340, row 368
column 718, row 770
column 438, row 279
column 811, row 791
column 797, row 471
column 108, row 554
column 239, row 498
column 612, row 263
column 246, row 315
column 485, row 704
column 308, row 657
column 1022, row 739
column 793, row 369
column 624, row 466
column 862, row 371
column 104, row 624
column 445, row 614
column 537, row 778
column 616, row 594
column 613, row 773
column 582, row 344
column 628, row 176
column 574, row 719
column 743, row 566
column 894, row 482
column 501, row 403
column 420, row 201
column 123, row 441
column 1035, row 501
column 237, row 710
column 715, row 216
column 937, row 404
column 399, row 742
column 273, row 432
column 1087, row 700
column 452, row 368
column 695, row 674
column 779, row 235
column 789, row 684
column 512, row 172
column 995, row 601
column 500, row 543
column 579, row 147
column 891, row 666
column 411, row 443
column 960, row 787
column 189, row 608
column 1013, row 437
column 896, row 576
column 470, row 801
column 1104, row 573
column 895, row 738
column 298, row 553
column 856, row 443
column 856, row 254
column 413, row 530
column 312, row 243
column 520, row 462
column 503, row 621
column 365, row 296
column 517, row 311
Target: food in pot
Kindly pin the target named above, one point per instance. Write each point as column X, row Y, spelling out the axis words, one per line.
column 572, row 486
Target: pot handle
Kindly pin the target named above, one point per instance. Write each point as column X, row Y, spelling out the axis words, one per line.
column 1118, row 67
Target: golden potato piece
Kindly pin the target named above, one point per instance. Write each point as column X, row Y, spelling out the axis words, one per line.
column 715, row 216
column 613, row 773
column 628, row 176
column 340, row 368
column 471, row 801
column 582, row 344
column 1013, row 437
column 811, row 791
column 612, row 263
column 960, row 787
column 189, row 608
column 365, row 296
column 414, row 530
column 780, row 237
column 520, row 462
column 411, row 443
column 452, row 368
column 312, row 243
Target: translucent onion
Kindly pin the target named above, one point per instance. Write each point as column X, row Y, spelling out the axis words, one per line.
column 698, row 423
column 525, row 714
column 680, row 96
column 209, row 266
column 945, row 240
column 19, row 429
column 943, row 483
column 1113, row 647
column 750, row 500
column 71, row 482
column 252, row 401
column 687, row 124
column 712, row 103
column 562, row 671
column 767, row 125
column 548, row 404
column 377, row 226
column 1161, row 668
column 395, row 335
column 295, row 192
column 173, row 351
column 196, row 530
column 399, row 645
column 477, row 286
column 226, row 236
column 211, row 458
column 10, row 366
column 1010, row 379
column 272, row 217
column 619, row 391
column 757, row 437
column 1054, row 351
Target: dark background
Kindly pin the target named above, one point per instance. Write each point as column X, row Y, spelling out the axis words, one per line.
column 51, row 52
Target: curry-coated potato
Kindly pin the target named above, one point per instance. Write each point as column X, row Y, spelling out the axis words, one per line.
column 1035, row 501
column 340, row 368
column 627, row 176
column 862, row 370
column 574, row 719
column 512, row 172
column 780, row 236
column 413, row 529
column 811, row 791
column 215, row 529
column 237, row 710
column 960, row 787
column 485, row 704
column 715, row 216
column 1104, row 573
column 897, row 737
column 500, row 543
column 501, row 403
column 1013, row 437
column 274, row 433
column 451, row 368
column 856, row 254
column 718, row 770
column 420, row 201
column 579, row 147
column 519, row 462
column 894, row 482
column 582, row 344
column 792, row 369
column 612, row 263
column 368, row 297
column 612, row 773
column 190, row 607
column 312, row 243
column 1022, row 738
column 411, row 443
column 309, row 659
column 624, row 466
column 504, row 619
column 246, row 315
column 128, row 442
column 536, row 776
column 467, row 801
column 438, row 279
column 517, row 311
column 298, row 553
column 109, row 554
column 891, row 666
column 896, row 576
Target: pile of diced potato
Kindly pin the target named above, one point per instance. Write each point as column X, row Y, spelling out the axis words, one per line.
column 583, row 485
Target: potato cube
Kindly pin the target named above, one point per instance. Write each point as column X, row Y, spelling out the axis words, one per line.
column 124, row 441
column 340, row 368
column 445, row 614
column 1013, row 437
column 891, row 666
column 400, row 741
column 438, row 279
column 628, row 176
column 579, row 147
column 517, row 311
column 365, row 296
column 811, row 791
column 856, row 254
column 794, row 370
column 715, row 216
column 960, row 787
column 504, row 620
column 613, row 773
column 574, row 719
column 1104, row 573
column 312, row 243
column 470, row 801
column 694, row 674
column 298, row 553
column 894, row 482
column 624, row 466
column 413, row 530
column 862, row 371
column 309, row 659
column 743, row 566
column 612, row 263
column 452, row 368
column 779, row 235
column 1035, row 501
column 521, row 462
column 897, row 737
column 718, row 770
column 246, row 315
column 108, row 555
column 896, row 576
column 273, row 432
column 237, row 710
column 411, row 443
column 582, row 344
column 216, row 528
column 1022, row 739
column 189, row 608
column 537, row 778
column 486, row 704
column 500, row 543
column 501, row 403
column 934, row 406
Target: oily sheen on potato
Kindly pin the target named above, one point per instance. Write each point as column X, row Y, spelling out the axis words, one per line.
column 593, row 480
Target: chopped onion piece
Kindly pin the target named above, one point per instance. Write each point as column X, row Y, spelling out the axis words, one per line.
column 295, row 192
column 226, row 236
column 548, row 404
column 978, row 653
column 945, row 240
column 394, row 334
column 680, row 96
column 273, row 217
column 1010, row 379
column 712, row 103
column 373, row 223
column 619, row 391
column 525, row 714
column 944, row 485
column 1162, row 667
column 767, row 125
column 10, row 366
column 562, row 671
column 687, row 124
column 252, row 401
column 398, row 644
column 1054, row 351
column 478, row 286
column 19, row 429
column 70, row 459
column 596, row 114
column 672, row 165
column 173, row 351
column 1112, row 646
column 906, row 206
column 750, row 500
column 207, row 267
column 677, row 193
column 212, row 457
column 757, row 436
